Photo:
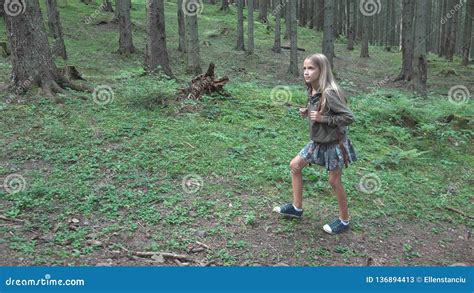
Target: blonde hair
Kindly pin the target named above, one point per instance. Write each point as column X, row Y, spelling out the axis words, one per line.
column 326, row 78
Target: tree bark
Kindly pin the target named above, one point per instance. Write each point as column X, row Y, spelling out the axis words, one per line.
column 31, row 58
column 250, row 35
column 181, row 28
column 451, row 42
column 125, row 27
column 364, row 52
column 225, row 5
column 54, row 24
column 467, row 32
column 156, row 53
column 277, row 10
column 107, row 6
column 293, row 69
column 350, row 32
column 240, row 26
column 263, row 11
column 407, row 40
column 328, row 34
column 193, row 63
column 420, row 73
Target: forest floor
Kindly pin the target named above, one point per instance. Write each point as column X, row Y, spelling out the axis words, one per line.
column 200, row 178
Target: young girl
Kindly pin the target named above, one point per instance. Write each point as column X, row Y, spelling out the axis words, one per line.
column 329, row 146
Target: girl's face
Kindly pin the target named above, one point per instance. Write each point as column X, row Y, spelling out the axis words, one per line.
column 311, row 71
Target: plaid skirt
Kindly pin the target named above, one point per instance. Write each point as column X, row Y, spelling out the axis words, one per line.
column 328, row 155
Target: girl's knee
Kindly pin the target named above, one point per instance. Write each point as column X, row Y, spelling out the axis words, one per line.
column 296, row 166
column 334, row 181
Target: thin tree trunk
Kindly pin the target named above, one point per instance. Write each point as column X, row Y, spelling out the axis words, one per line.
column 225, row 5
column 250, row 36
column 181, row 28
column 263, row 11
column 328, row 35
column 125, row 26
column 156, row 54
column 454, row 29
column 293, row 69
column 351, row 33
column 192, row 47
column 467, row 32
column 420, row 73
column 240, row 26
column 364, row 51
column 407, row 41
column 277, row 11
column 54, row 24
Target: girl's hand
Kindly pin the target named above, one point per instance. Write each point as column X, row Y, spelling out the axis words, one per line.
column 304, row 112
column 316, row 116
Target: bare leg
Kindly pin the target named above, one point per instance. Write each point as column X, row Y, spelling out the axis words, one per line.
column 296, row 165
column 336, row 184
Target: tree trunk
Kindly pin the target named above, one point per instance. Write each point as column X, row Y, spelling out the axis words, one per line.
column 193, row 63
column 293, row 69
column 407, row 40
column 250, row 27
column 451, row 43
column 277, row 10
column 125, row 27
column 420, row 73
column 442, row 45
column 156, row 53
column 364, row 52
column 31, row 58
column 107, row 6
column 240, row 26
column 319, row 15
column 428, row 33
column 225, row 5
column 54, row 24
column 467, row 32
column 287, row 19
column 181, row 28
column 262, row 16
column 393, row 24
column 351, row 33
column 328, row 34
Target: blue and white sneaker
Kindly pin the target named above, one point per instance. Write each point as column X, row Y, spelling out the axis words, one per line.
column 336, row 227
column 288, row 210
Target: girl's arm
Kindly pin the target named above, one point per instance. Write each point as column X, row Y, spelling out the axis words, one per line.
column 343, row 115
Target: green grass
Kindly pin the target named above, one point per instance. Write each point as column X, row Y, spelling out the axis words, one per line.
column 121, row 166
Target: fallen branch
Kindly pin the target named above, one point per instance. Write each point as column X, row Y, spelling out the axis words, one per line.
column 164, row 254
column 2, row 217
column 459, row 212
column 289, row 48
